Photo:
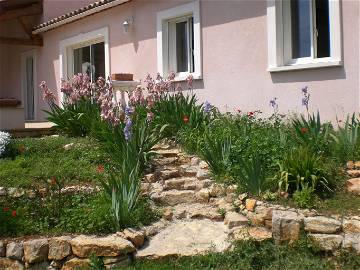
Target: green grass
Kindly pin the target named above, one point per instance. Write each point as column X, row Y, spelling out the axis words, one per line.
column 39, row 159
column 257, row 256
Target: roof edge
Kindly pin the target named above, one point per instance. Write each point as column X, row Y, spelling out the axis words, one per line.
column 78, row 16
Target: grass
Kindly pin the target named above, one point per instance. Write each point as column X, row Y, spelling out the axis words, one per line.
column 257, row 256
column 39, row 159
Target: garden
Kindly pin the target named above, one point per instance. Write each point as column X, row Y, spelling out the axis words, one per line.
column 166, row 159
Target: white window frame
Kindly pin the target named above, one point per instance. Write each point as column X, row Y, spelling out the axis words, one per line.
column 279, row 37
column 67, row 47
column 163, row 59
column 24, row 55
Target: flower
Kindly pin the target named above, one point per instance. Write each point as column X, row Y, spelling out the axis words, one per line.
column 6, row 209
column 150, row 116
column 207, row 107
column 273, row 103
column 186, row 119
column 48, row 96
column 100, row 169
column 127, row 129
column 13, row 213
column 250, row 114
column 129, row 110
column 238, row 110
column 304, row 130
column 189, row 81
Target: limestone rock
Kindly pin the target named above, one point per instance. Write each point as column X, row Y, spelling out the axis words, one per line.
column 261, row 214
column 37, row 266
column 202, row 174
column 285, row 226
column 36, row 250
column 2, row 249
column 197, row 211
column 251, row 233
column 351, row 226
column 322, row 225
column 203, row 195
column 168, row 214
column 353, row 173
column 150, row 178
column 15, row 192
column 84, row 246
column 327, row 242
column 75, row 263
column 357, row 164
column 352, row 241
column 187, row 170
column 174, row 197
column 168, row 152
column 9, row 264
column 15, row 250
column 187, row 238
column 167, row 174
column 217, row 190
column 116, row 262
column 194, row 161
column 137, row 237
column 250, row 204
column 59, row 248
column 2, row 191
column 175, row 183
column 353, row 185
column 69, row 146
column 350, row 165
column 165, row 161
column 221, row 203
column 203, row 184
column 203, row 165
column 156, row 227
column 233, row 219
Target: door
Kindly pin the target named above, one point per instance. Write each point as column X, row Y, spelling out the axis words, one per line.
column 28, row 79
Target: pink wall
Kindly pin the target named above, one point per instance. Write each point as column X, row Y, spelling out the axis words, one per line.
column 55, row 8
column 234, row 54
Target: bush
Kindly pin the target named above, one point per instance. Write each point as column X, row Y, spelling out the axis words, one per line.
column 5, row 140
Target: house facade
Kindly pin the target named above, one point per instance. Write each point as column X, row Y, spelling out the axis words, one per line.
column 241, row 53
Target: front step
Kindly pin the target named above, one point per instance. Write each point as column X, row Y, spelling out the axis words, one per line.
column 197, row 211
column 174, row 197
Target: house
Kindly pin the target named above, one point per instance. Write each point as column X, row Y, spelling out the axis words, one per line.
column 241, row 53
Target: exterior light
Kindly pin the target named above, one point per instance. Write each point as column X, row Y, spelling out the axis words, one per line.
column 127, row 23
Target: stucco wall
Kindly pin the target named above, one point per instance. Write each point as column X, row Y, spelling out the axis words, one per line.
column 234, row 48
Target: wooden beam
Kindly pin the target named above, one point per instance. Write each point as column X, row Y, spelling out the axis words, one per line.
column 26, row 26
column 35, row 41
column 34, row 9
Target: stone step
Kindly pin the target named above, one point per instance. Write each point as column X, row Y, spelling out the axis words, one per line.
column 168, row 152
column 353, row 173
column 174, row 197
column 186, row 183
column 197, row 211
column 167, row 174
column 165, row 161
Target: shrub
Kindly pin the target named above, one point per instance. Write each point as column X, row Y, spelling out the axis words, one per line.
column 5, row 140
column 304, row 198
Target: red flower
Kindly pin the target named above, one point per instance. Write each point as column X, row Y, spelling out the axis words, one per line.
column 13, row 213
column 304, row 130
column 100, row 169
column 238, row 110
column 6, row 209
column 250, row 114
column 186, row 119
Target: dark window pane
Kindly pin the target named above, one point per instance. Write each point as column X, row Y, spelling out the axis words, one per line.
column 323, row 28
column 98, row 59
column 192, row 69
column 82, row 60
column 300, row 28
column 181, row 47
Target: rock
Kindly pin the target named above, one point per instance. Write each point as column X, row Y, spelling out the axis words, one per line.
column 150, row 178
column 203, row 184
column 76, row 263
column 233, row 219
column 231, row 189
column 194, row 161
column 15, row 192
column 222, row 204
column 216, row 190
column 321, row 225
column 174, row 197
column 203, row 165
column 15, row 250
column 175, row 183
column 9, row 264
column 187, row 238
column 167, row 174
column 357, row 164
column 197, row 211
column 327, row 242
column 30, row 194
column 116, row 262
column 137, row 237
column 168, row 152
column 84, row 246
column 350, row 165
column 156, row 227
column 202, row 174
column 55, row 265
column 351, row 226
column 203, row 195
column 165, row 161
column 168, row 214
column 250, row 204
column 59, row 248
column 69, row 146
column 2, row 249
column 36, row 250
column 353, row 185
column 260, row 215
column 353, row 173
column 352, row 241
column 190, row 171
column 251, row 233
column 37, row 266
column 285, row 226
column 145, row 188
column 2, row 191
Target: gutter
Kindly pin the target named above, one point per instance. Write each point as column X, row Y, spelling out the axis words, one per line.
column 79, row 16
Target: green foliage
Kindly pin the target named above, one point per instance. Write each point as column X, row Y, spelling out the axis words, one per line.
column 346, row 139
column 302, row 168
column 252, row 175
column 39, row 159
column 178, row 111
column 96, row 263
column 250, row 255
column 310, row 132
column 75, row 119
column 304, row 198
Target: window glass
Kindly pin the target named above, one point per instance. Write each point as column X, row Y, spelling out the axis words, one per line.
column 182, row 47
column 323, row 28
column 300, row 28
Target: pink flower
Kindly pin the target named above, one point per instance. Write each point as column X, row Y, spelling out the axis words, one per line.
column 48, row 96
column 150, row 116
column 189, row 81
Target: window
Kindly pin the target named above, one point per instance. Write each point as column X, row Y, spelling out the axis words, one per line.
column 90, row 60
column 306, row 34
column 179, row 41
column 85, row 53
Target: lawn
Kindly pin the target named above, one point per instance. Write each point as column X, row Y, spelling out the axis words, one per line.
column 39, row 159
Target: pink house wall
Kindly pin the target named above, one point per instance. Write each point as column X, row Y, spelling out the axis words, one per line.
column 234, row 55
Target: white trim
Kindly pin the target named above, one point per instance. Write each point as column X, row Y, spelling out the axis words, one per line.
column 192, row 8
column 278, row 52
column 68, row 45
column 79, row 16
column 24, row 55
